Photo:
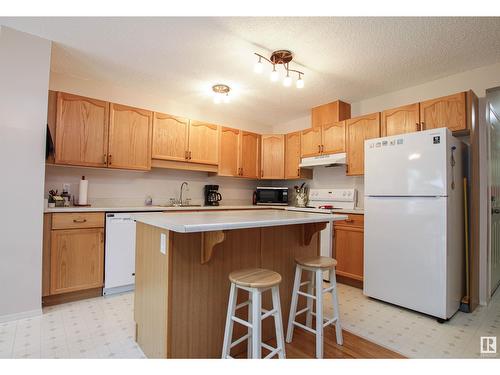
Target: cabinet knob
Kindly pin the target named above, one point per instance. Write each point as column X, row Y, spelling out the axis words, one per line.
column 109, row 159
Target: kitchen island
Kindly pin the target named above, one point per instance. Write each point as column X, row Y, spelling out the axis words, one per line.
column 183, row 261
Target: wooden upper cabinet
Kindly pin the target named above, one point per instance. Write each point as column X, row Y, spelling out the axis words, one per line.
column 76, row 259
column 203, row 143
column 249, row 155
column 311, row 142
column 333, row 138
column 358, row 130
column 329, row 113
column 292, row 155
column 447, row 111
column 129, row 137
column 405, row 119
column 229, row 160
column 170, row 137
column 273, row 156
column 81, row 131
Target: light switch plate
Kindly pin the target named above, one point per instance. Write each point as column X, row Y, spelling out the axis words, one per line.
column 163, row 243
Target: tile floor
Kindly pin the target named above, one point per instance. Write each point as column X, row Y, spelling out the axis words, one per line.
column 415, row 335
column 95, row 328
column 104, row 328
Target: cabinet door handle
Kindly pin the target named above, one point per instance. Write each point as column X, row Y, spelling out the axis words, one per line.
column 79, row 221
column 109, row 159
column 186, row 155
column 105, row 159
column 189, row 155
column 348, row 220
column 319, row 148
column 422, row 125
column 298, row 172
column 261, row 174
column 418, row 126
column 322, row 148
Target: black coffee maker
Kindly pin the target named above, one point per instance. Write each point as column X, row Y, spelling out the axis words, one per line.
column 212, row 195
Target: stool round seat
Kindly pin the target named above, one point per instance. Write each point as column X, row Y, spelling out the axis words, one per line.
column 316, row 262
column 255, row 278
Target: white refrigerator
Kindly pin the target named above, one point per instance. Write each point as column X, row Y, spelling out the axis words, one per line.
column 414, row 223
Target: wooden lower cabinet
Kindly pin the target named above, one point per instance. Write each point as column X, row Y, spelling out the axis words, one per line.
column 348, row 249
column 73, row 257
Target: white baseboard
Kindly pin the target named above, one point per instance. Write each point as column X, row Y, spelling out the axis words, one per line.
column 21, row 315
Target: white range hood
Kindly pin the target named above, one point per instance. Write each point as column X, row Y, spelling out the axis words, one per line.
column 324, row 160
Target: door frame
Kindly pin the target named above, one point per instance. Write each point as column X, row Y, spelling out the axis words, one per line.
column 489, row 110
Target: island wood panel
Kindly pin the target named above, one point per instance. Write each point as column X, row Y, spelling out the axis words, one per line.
column 170, row 137
column 310, row 142
column 250, row 161
column 405, row 119
column 81, row 133
column 333, row 138
column 273, row 157
column 229, row 160
column 200, row 292
column 447, row 111
column 76, row 259
column 360, row 129
column 152, row 291
column 129, row 137
column 203, row 143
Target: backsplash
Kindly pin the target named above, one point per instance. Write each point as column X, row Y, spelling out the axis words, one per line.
column 111, row 187
column 331, row 177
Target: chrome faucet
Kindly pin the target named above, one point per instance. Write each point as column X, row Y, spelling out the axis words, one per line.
column 182, row 187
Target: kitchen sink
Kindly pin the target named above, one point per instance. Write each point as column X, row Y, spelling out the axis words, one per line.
column 179, row 205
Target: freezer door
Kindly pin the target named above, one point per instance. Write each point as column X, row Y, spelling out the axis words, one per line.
column 405, row 252
column 413, row 164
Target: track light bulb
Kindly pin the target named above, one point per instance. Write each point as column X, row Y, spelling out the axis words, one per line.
column 300, row 83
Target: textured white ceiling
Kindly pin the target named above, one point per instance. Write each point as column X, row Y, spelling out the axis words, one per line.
column 347, row 58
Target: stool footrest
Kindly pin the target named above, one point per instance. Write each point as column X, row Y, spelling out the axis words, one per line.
column 303, row 311
column 304, row 327
column 241, row 321
column 268, row 313
column 243, row 304
column 306, row 294
column 273, row 351
column 328, row 322
column 240, row 340
column 329, row 289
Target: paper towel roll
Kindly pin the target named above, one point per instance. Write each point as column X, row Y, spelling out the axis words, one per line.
column 82, row 193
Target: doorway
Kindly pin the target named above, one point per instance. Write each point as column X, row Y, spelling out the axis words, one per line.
column 493, row 133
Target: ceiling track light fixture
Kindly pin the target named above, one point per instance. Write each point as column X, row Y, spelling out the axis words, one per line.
column 221, row 93
column 280, row 57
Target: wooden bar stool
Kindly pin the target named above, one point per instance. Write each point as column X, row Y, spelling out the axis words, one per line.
column 316, row 265
column 255, row 281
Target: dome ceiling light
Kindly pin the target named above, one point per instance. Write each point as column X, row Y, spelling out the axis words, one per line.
column 280, row 57
column 221, row 93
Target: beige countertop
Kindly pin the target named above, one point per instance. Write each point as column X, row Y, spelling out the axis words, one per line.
column 111, row 208
column 190, row 222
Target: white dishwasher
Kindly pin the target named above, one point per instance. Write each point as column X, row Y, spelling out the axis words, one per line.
column 119, row 261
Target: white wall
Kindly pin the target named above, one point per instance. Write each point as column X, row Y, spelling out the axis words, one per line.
column 24, row 80
column 116, row 187
column 153, row 101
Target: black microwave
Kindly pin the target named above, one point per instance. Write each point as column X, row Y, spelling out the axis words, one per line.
column 272, row 195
